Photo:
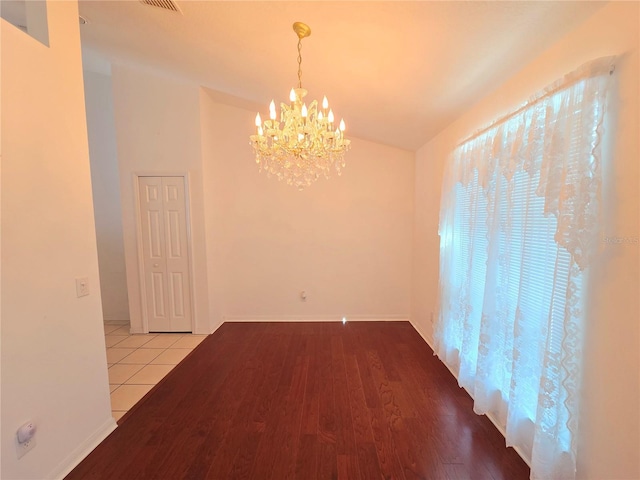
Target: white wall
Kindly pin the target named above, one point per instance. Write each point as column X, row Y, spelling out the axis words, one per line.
column 258, row 243
column 346, row 241
column 609, row 438
column 53, row 360
column 105, row 182
column 158, row 132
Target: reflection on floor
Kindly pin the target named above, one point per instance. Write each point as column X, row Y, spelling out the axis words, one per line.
column 138, row 362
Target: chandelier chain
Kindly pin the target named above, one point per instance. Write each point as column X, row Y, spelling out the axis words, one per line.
column 304, row 142
column 300, row 63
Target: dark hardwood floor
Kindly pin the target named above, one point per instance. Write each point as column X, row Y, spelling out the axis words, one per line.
column 365, row 400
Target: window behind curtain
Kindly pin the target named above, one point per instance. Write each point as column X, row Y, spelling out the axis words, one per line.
column 518, row 225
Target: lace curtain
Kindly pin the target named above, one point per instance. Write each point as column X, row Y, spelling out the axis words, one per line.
column 518, row 228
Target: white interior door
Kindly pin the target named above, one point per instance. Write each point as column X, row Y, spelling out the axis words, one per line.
column 165, row 254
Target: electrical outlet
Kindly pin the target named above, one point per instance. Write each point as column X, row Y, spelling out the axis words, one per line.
column 23, row 448
column 82, row 287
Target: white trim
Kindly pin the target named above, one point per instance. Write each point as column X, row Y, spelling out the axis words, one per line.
column 85, row 448
column 139, row 255
column 490, row 416
column 111, row 318
column 421, row 333
column 136, row 331
column 139, row 248
column 518, row 450
column 192, row 268
column 315, row 318
column 216, row 327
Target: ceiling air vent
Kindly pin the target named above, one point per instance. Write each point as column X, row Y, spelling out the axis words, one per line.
column 164, row 4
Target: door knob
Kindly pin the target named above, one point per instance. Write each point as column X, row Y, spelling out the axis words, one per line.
column 156, row 265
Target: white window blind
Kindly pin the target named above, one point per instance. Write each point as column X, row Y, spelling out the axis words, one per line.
column 518, row 227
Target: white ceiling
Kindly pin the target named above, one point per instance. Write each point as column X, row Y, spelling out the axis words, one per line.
column 397, row 71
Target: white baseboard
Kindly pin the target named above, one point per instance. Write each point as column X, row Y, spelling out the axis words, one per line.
column 316, row 318
column 489, row 415
column 427, row 340
column 115, row 318
column 209, row 332
column 113, row 321
column 84, row 449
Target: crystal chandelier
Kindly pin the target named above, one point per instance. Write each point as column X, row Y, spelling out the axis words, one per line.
column 303, row 142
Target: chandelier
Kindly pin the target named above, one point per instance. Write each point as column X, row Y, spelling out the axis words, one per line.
column 303, row 142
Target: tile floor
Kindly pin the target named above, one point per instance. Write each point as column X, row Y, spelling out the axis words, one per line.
column 138, row 362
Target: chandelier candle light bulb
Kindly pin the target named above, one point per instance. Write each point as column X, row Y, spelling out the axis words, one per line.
column 303, row 145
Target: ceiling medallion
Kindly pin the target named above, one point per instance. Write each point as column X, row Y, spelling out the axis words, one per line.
column 303, row 142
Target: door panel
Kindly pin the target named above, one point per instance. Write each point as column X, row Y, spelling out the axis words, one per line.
column 155, row 234
column 177, row 257
column 173, row 226
column 165, row 254
column 177, row 286
column 157, row 299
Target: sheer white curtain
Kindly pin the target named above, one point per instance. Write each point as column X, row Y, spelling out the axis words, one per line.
column 518, row 227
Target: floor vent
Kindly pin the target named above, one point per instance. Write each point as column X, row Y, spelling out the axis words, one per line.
column 164, row 4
